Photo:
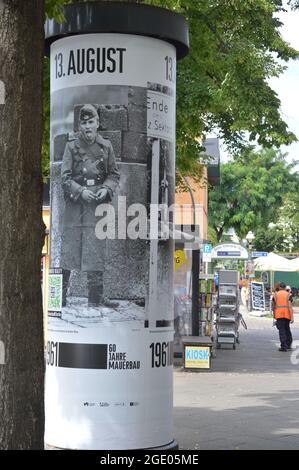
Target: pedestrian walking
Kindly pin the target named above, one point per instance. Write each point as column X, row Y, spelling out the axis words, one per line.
column 283, row 314
column 289, row 290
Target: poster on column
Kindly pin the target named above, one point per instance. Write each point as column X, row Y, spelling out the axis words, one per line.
column 109, row 353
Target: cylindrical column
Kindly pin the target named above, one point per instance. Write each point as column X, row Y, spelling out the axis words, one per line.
column 110, row 321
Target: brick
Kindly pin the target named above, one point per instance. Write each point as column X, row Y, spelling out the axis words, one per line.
column 126, row 274
column 57, row 208
column 134, row 147
column 133, row 182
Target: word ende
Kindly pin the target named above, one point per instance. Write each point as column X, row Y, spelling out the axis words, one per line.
column 156, row 105
column 81, row 61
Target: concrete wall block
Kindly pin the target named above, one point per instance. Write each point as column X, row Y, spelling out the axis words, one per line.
column 59, row 146
column 78, row 284
column 113, row 117
column 126, row 272
column 137, row 118
column 137, row 96
column 165, row 278
column 135, row 147
column 57, row 208
column 132, row 183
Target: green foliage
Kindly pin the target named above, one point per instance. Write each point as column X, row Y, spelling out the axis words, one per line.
column 212, row 236
column 54, row 9
column 285, row 232
column 223, row 83
column 251, row 193
column 269, row 240
column 46, row 112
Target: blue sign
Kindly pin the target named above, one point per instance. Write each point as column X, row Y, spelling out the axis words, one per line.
column 228, row 253
column 194, row 355
column 257, row 254
column 207, row 248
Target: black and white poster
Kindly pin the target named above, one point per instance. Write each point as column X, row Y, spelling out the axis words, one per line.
column 257, row 296
column 109, row 352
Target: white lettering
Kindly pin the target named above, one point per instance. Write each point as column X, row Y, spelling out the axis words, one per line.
column 137, row 228
column 105, row 227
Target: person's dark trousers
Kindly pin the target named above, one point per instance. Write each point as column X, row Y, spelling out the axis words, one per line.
column 285, row 335
column 289, row 334
column 95, row 288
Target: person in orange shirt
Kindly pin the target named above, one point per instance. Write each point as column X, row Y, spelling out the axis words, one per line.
column 283, row 314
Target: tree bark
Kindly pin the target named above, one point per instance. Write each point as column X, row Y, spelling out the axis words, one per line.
column 21, row 227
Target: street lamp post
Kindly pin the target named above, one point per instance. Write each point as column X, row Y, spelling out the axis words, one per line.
column 250, row 237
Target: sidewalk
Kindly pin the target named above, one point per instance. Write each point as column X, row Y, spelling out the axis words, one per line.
column 248, row 400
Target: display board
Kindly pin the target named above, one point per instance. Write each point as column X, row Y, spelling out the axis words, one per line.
column 257, row 296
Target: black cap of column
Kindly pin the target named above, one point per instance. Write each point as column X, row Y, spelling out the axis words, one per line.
column 119, row 17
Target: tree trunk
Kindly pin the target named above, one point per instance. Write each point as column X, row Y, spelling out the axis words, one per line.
column 21, row 227
column 219, row 232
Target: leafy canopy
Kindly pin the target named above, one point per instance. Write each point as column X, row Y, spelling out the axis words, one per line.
column 223, row 83
column 251, row 193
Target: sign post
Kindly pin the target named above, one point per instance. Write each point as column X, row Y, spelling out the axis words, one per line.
column 109, row 351
column 207, row 253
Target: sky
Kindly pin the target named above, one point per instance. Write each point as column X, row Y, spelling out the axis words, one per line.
column 286, row 86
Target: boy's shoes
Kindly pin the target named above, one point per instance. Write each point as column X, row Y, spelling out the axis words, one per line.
column 283, row 349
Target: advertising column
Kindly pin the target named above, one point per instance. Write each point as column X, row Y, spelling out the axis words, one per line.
column 110, row 317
